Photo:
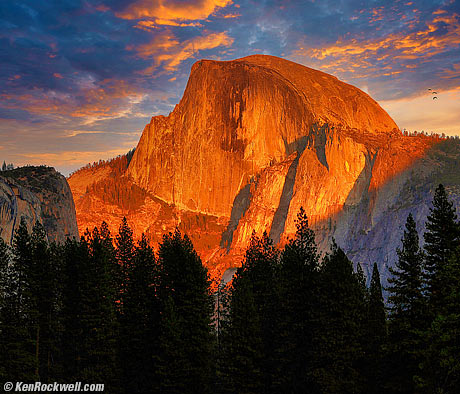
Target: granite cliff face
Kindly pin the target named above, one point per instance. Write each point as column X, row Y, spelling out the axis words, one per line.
column 36, row 194
column 237, row 118
column 254, row 139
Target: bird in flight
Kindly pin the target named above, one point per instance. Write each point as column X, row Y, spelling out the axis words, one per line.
column 433, row 93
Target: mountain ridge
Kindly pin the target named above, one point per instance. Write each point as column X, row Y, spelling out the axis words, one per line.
column 243, row 150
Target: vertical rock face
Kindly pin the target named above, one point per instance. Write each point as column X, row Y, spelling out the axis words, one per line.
column 254, row 139
column 237, row 118
column 36, row 194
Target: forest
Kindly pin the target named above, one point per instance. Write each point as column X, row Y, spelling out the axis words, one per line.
column 107, row 309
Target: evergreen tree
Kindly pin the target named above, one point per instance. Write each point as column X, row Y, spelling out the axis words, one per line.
column 298, row 308
column 406, row 312
column 89, row 302
column 124, row 254
column 75, row 263
column 242, row 343
column 184, row 280
column 43, row 286
column 361, row 278
column 441, row 239
column 249, row 337
column 19, row 338
column 102, row 334
column 376, row 335
column 139, row 323
column 5, row 284
column 338, row 336
column 173, row 361
column 441, row 368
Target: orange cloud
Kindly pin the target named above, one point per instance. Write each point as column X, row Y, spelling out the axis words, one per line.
column 440, row 34
column 377, row 15
column 152, row 25
column 162, row 42
column 228, row 16
column 167, row 51
column 172, row 10
column 146, row 25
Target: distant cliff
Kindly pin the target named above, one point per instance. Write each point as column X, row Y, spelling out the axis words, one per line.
column 254, row 139
column 36, row 194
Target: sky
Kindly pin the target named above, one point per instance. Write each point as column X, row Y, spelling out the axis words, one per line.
column 79, row 79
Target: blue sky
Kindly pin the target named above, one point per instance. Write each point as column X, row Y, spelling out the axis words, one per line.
column 80, row 79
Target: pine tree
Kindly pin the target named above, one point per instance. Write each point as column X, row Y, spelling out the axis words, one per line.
column 124, row 253
column 361, row 278
column 139, row 323
column 298, row 309
column 406, row 312
column 376, row 335
column 249, row 337
column 441, row 239
column 441, row 368
column 103, row 326
column 75, row 263
column 339, row 333
column 184, row 279
column 43, row 286
column 22, row 362
column 242, row 341
column 89, row 302
column 5, row 285
column 172, row 362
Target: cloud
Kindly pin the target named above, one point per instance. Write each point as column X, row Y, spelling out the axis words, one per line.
column 152, row 25
column 387, row 54
column 167, row 10
column 429, row 42
column 169, row 52
column 107, row 98
column 230, row 16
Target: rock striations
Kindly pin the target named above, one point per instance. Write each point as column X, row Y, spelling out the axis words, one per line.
column 254, row 139
column 36, row 194
column 237, row 118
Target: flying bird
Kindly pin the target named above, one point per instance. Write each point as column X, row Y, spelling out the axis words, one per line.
column 434, row 97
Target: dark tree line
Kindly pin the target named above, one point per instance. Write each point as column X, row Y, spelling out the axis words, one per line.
column 106, row 309
column 299, row 324
column 103, row 310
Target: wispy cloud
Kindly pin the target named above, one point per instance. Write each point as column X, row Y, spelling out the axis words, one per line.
column 388, row 54
column 440, row 33
column 167, row 51
column 108, row 98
